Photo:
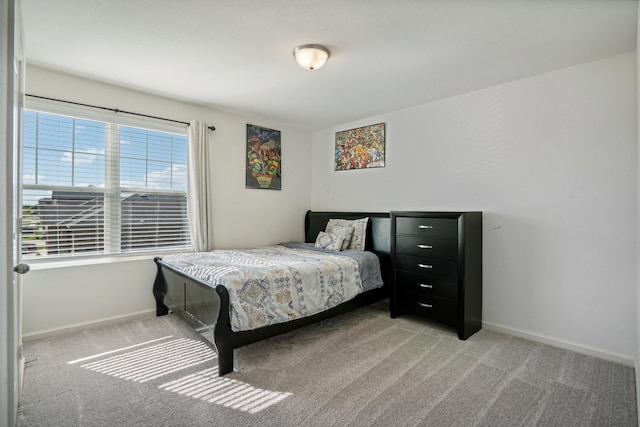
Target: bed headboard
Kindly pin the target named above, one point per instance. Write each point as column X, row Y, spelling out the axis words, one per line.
column 378, row 232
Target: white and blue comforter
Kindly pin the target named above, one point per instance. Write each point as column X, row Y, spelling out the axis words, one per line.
column 280, row 283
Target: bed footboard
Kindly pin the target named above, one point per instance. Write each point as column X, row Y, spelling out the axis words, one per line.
column 204, row 307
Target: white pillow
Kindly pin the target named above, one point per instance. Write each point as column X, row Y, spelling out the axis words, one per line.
column 359, row 230
column 329, row 241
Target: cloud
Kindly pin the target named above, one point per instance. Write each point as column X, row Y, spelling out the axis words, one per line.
column 32, row 179
column 82, row 156
column 174, row 177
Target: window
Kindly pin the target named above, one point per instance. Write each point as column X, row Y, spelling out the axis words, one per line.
column 94, row 187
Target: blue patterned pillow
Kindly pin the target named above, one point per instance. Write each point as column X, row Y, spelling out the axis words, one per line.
column 359, row 230
column 329, row 241
column 346, row 231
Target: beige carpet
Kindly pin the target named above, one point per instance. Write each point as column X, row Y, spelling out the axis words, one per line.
column 358, row 369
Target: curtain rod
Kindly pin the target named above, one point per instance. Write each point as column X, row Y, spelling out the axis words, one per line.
column 115, row 110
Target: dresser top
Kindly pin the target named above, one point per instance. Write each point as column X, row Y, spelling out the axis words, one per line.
column 434, row 214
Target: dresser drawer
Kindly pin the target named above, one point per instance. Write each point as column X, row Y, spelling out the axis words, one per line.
column 438, row 227
column 440, row 309
column 432, row 247
column 431, row 267
column 419, row 284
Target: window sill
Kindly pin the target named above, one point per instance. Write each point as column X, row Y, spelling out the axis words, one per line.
column 46, row 264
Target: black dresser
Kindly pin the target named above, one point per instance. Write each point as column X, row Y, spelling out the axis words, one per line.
column 437, row 267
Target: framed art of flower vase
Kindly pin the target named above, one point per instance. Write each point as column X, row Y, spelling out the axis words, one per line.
column 360, row 148
column 264, row 159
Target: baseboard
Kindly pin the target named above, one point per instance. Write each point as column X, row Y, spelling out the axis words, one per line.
column 567, row 345
column 637, row 389
column 21, row 363
column 86, row 325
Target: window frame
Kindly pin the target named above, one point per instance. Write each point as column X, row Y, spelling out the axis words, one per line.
column 112, row 188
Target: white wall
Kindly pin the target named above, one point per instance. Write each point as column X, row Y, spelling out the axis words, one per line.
column 71, row 296
column 551, row 161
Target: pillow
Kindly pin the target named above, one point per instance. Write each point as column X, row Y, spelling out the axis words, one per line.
column 346, row 231
column 359, row 230
column 329, row 241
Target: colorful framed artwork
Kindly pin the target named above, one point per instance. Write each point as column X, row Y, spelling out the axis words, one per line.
column 360, row 148
column 264, row 158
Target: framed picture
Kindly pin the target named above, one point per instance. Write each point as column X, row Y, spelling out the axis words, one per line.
column 264, row 158
column 360, row 148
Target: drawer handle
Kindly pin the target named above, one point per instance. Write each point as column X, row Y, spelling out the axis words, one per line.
column 425, row 247
column 421, row 304
column 425, row 265
column 425, row 226
column 426, row 285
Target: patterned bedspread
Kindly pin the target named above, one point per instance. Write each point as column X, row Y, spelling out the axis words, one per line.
column 274, row 284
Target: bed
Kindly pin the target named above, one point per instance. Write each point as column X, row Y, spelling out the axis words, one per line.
column 200, row 296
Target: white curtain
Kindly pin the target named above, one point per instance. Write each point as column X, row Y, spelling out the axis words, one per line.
column 199, row 184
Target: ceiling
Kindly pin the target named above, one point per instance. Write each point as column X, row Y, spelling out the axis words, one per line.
column 386, row 55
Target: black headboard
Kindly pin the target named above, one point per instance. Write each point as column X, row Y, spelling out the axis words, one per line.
column 378, row 232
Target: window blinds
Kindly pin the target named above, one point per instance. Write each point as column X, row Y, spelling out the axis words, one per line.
column 96, row 187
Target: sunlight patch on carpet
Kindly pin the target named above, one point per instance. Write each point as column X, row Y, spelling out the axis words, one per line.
column 96, row 356
column 208, row 386
column 155, row 361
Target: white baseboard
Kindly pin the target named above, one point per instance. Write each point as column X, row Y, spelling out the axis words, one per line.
column 86, row 325
column 567, row 345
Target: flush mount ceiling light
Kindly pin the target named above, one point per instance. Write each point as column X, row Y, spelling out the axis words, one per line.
column 311, row 56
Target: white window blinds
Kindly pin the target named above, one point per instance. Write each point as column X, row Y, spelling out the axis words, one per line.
column 96, row 187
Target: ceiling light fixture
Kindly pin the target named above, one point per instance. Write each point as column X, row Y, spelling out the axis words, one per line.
column 311, row 56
